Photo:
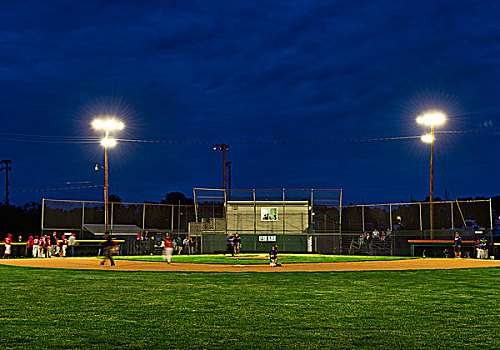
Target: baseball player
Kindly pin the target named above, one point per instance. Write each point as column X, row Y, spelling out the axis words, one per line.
column 35, row 246
column 458, row 246
column 29, row 246
column 109, row 249
column 64, row 246
column 8, row 246
column 47, row 246
column 53, row 243
column 483, row 248
column 230, row 244
column 237, row 244
column 71, row 244
column 273, row 257
column 58, row 248
column 169, row 249
column 41, row 247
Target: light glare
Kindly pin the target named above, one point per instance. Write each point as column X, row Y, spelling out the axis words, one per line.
column 428, row 138
column 108, row 142
column 431, row 118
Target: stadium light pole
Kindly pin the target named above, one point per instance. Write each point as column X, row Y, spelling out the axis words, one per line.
column 107, row 125
column 432, row 119
column 223, row 148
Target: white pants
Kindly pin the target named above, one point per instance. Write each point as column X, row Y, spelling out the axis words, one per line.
column 167, row 254
column 7, row 249
column 35, row 251
column 484, row 253
column 64, row 247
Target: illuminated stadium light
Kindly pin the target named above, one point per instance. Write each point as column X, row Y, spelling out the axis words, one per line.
column 108, row 124
column 431, row 118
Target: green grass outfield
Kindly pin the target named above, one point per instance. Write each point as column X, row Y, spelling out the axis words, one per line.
column 250, row 259
column 84, row 309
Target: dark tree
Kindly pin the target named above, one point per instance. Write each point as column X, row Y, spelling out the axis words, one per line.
column 175, row 197
column 114, row 198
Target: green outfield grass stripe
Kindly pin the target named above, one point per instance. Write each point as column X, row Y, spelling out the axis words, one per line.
column 73, row 309
column 255, row 259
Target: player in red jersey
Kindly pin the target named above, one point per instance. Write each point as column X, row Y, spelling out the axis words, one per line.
column 29, row 247
column 64, row 246
column 169, row 249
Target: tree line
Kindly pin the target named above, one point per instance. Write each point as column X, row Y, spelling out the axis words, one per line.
column 26, row 219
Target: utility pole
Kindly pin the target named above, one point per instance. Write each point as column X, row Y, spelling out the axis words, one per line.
column 7, row 168
column 223, row 148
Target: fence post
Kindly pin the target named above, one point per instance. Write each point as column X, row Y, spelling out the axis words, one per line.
column 143, row 215
column 224, row 211
column 43, row 212
column 420, row 213
column 195, row 206
column 83, row 216
column 254, row 221
column 452, row 224
column 172, row 221
column 340, row 223
column 363, row 218
column 491, row 216
column 393, row 243
column 390, row 216
column 284, row 220
column 112, row 214
column 283, row 214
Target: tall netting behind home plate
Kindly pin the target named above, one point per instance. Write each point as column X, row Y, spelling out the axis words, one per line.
column 395, row 224
column 297, row 220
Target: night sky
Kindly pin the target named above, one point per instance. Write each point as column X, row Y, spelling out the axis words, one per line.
column 290, row 85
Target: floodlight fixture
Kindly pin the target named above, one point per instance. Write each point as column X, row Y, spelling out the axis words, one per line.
column 432, row 118
column 108, row 124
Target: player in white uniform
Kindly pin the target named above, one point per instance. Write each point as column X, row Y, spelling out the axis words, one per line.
column 36, row 247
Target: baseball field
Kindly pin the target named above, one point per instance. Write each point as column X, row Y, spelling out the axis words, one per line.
column 409, row 304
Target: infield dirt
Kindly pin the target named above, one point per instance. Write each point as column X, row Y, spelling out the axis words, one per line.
column 129, row 265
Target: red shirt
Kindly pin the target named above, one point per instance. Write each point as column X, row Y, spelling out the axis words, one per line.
column 169, row 244
column 7, row 240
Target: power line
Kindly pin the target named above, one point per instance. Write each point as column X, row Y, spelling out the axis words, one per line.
column 298, row 142
column 47, row 141
column 48, row 136
column 60, row 188
column 90, row 140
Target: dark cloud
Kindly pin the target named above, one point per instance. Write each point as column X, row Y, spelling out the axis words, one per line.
column 252, row 71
